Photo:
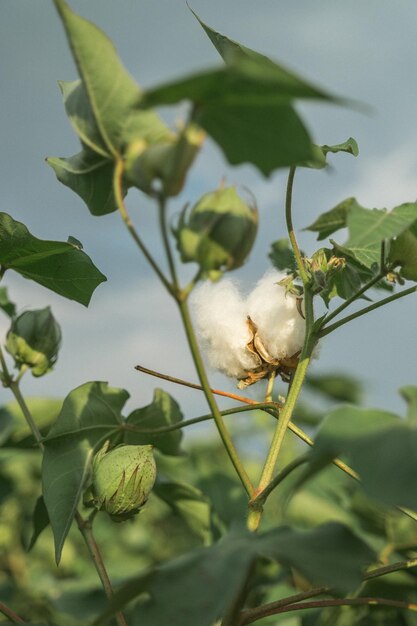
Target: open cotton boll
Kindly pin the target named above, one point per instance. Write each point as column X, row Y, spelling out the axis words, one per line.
column 220, row 315
column 280, row 325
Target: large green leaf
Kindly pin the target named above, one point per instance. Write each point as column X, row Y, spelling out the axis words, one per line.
column 368, row 228
column 90, row 176
column 163, row 411
column 90, row 415
column 59, row 266
column 376, row 444
column 110, row 90
column 190, row 504
column 246, row 107
column 199, row 587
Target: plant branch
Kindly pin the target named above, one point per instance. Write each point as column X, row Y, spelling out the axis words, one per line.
column 217, row 416
column 252, row 615
column 165, row 238
column 218, row 392
column 277, row 480
column 329, row 329
column 195, row 420
column 86, row 529
column 272, row 408
column 13, row 617
column 118, row 193
column 316, row 591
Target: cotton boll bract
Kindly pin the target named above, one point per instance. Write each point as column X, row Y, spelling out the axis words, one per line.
column 226, row 323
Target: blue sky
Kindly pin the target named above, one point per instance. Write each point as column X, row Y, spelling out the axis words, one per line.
column 364, row 50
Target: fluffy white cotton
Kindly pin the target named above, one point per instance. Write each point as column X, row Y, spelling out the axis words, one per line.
column 280, row 325
column 221, row 312
column 220, row 315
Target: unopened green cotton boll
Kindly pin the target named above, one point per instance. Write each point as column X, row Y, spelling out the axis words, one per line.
column 123, row 478
column 162, row 166
column 33, row 340
column 219, row 231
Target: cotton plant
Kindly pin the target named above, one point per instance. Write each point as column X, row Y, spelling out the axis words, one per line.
column 119, row 461
column 254, row 336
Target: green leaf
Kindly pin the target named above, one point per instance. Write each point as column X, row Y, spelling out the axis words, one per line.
column 246, row 107
column 339, row 387
column 350, row 146
column 378, row 446
column 403, row 252
column 409, row 394
column 59, row 266
column 282, row 256
column 40, row 521
column 90, row 176
column 212, row 577
column 78, row 109
column 6, row 305
column 90, row 415
column 110, row 90
column 268, row 136
column 190, row 504
column 333, row 220
column 163, row 411
column 368, row 228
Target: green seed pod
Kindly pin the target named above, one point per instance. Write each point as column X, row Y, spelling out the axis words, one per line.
column 123, row 478
column 33, row 340
column 219, row 232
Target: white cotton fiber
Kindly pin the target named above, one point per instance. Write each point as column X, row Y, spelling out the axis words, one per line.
column 221, row 312
column 280, row 325
column 220, row 315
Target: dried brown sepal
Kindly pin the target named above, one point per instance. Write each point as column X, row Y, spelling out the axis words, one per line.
column 266, row 364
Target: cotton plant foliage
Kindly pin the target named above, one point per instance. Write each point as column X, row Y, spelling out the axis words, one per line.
column 221, row 315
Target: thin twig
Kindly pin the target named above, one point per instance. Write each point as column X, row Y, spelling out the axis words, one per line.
column 8, row 612
column 252, row 615
column 329, row 329
column 118, row 193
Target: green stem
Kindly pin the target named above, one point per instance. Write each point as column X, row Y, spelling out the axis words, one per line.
column 117, row 188
column 388, row 569
column 10, row 614
column 349, row 301
column 329, row 329
column 286, row 471
column 217, row 416
column 270, row 387
column 290, row 227
column 86, row 529
column 195, row 420
column 255, row 512
column 165, row 238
